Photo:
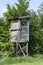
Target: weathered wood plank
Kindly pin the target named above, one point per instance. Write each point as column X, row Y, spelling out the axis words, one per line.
column 27, row 48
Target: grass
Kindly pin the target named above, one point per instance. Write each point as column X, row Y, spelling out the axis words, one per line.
column 35, row 63
column 35, row 60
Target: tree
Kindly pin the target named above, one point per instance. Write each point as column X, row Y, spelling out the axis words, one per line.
column 20, row 9
column 35, row 35
column 4, row 32
column 40, row 12
column 5, row 45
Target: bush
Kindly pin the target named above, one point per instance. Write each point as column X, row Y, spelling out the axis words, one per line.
column 7, row 47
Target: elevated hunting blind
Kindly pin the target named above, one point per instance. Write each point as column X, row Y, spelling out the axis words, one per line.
column 19, row 32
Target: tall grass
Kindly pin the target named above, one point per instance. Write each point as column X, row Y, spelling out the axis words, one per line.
column 16, row 60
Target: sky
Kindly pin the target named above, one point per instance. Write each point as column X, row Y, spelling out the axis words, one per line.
column 34, row 4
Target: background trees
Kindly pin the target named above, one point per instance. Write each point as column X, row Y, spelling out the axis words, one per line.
column 36, row 24
column 35, row 35
column 40, row 12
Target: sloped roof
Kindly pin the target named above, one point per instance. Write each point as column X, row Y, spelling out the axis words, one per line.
column 21, row 17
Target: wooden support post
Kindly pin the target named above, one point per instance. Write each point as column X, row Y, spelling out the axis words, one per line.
column 27, row 48
column 17, row 48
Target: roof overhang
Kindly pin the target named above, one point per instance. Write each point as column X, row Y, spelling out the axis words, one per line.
column 20, row 18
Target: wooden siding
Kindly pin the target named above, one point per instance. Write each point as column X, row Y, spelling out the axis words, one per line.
column 15, row 25
column 21, row 34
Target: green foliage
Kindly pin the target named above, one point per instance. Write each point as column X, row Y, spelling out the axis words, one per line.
column 35, row 35
column 6, row 48
column 40, row 12
column 20, row 9
column 4, row 31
